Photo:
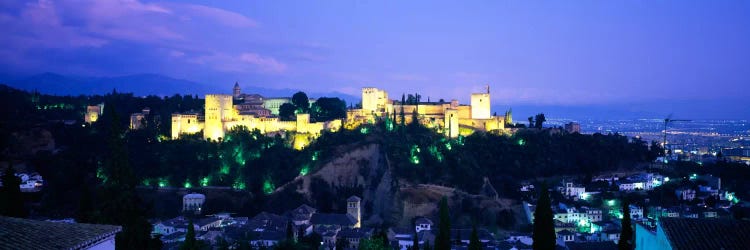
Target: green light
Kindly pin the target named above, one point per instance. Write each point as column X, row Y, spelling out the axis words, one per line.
column 204, row 181
column 583, row 222
column 146, row 182
column 238, row 156
column 448, row 146
column 238, row 184
column 693, row 176
column 434, row 152
column 521, row 142
column 585, row 196
column 364, row 130
column 304, row 170
column 187, row 184
column 666, row 179
column 224, row 169
column 414, row 158
column 100, row 174
column 611, row 202
column 315, row 155
column 163, row 182
column 268, row 187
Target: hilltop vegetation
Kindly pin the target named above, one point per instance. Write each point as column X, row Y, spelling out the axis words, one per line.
column 257, row 165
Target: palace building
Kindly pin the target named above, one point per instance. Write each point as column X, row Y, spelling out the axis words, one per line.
column 450, row 118
column 224, row 112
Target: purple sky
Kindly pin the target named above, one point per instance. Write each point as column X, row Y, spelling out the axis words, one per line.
column 551, row 53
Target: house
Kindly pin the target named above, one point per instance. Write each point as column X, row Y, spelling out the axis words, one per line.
column 566, row 236
column 685, row 193
column 207, row 223
column 167, row 227
column 266, row 238
column 301, row 215
column 573, row 191
column 16, row 233
column 354, row 235
column 688, row 233
column 423, row 223
column 403, row 237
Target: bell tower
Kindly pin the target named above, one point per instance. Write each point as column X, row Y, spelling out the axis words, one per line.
column 353, row 209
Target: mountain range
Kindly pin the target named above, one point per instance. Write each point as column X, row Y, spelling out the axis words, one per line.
column 143, row 85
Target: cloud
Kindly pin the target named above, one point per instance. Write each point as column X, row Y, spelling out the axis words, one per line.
column 242, row 63
column 266, row 64
column 69, row 26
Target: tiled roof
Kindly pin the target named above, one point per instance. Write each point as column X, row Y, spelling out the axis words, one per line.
column 332, row 219
column 687, row 233
column 18, row 233
column 596, row 245
column 423, row 220
column 354, row 198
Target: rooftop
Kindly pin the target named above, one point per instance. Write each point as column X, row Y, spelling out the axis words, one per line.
column 687, row 233
column 18, row 233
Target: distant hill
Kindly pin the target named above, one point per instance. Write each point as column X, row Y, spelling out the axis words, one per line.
column 142, row 85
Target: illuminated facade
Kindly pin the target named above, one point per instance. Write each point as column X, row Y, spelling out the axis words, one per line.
column 450, row 118
column 93, row 113
column 136, row 119
column 222, row 115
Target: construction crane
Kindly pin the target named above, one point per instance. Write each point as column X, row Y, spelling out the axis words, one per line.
column 666, row 122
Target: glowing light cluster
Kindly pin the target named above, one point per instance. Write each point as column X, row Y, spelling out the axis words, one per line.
column 521, row 142
column 187, row 184
column 224, row 169
column 204, row 181
column 414, row 158
column 437, row 154
column 268, row 187
column 304, row 170
column 364, row 130
column 238, row 184
column 163, row 182
column 315, row 156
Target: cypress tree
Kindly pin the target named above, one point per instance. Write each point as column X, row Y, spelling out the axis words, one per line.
column 443, row 239
column 289, row 232
column 415, row 241
column 403, row 116
column 189, row 243
column 120, row 205
column 11, row 199
column 626, row 236
column 426, row 245
column 544, row 227
column 474, row 243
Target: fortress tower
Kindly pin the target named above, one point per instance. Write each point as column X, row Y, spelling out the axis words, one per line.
column 236, row 91
column 480, row 105
column 218, row 109
column 353, row 209
column 451, row 123
column 374, row 100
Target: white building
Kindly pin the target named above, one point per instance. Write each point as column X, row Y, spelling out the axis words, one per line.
column 193, row 202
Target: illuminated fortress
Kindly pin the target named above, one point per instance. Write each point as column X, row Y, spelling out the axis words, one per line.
column 225, row 112
column 450, row 118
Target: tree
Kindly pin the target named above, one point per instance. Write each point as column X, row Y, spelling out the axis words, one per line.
column 531, row 122
column 626, row 236
column 403, row 116
column 426, row 245
column 544, row 226
column 301, row 102
column 373, row 243
column 474, row 243
column 443, row 238
column 120, row 205
column 326, row 109
column 415, row 241
column 289, row 231
column 341, row 243
column 287, row 112
column 539, row 120
column 190, row 242
column 10, row 194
